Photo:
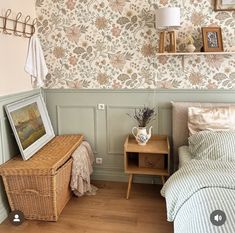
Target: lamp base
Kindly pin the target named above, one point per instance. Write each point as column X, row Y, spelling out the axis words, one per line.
column 162, row 39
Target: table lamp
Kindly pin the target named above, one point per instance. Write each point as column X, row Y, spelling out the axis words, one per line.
column 167, row 19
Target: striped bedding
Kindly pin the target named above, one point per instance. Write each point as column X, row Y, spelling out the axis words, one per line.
column 195, row 191
column 184, row 155
column 213, row 145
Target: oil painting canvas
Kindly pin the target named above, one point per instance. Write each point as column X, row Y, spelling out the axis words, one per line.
column 31, row 124
column 28, row 124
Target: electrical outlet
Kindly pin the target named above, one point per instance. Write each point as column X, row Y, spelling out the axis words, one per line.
column 101, row 106
column 99, row 160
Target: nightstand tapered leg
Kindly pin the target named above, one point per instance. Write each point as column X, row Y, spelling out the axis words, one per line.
column 163, row 180
column 129, row 186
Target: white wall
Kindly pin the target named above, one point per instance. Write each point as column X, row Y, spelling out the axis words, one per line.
column 13, row 50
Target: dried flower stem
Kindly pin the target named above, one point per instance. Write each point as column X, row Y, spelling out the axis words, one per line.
column 143, row 116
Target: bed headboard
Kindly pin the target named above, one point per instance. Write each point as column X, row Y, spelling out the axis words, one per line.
column 180, row 123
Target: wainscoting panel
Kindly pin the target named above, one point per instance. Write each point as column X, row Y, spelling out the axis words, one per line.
column 1, row 143
column 119, row 124
column 8, row 146
column 113, row 124
column 71, row 119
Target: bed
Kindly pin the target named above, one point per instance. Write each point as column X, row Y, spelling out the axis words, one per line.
column 200, row 195
column 184, row 155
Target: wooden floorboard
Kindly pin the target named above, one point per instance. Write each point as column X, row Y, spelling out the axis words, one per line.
column 107, row 212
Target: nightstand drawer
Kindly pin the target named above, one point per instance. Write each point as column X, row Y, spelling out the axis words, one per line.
column 151, row 160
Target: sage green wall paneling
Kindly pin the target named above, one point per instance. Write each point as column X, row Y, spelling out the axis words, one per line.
column 3, row 202
column 119, row 124
column 8, row 146
column 1, row 143
column 164, row 117
column 78, row 118
column 113, row 123
column 77, row 114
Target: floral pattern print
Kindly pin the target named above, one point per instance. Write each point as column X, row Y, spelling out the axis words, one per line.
column 113, row 44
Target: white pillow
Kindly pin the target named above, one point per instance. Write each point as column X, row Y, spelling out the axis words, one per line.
column 211, row 118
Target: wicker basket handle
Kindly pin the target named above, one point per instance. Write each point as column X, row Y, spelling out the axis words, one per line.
column 31, row 191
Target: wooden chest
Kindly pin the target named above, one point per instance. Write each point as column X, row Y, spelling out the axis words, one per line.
column 39, row 187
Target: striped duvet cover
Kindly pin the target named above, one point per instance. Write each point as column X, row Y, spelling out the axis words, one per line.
column 195, row 191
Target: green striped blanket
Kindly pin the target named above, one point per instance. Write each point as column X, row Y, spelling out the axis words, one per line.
column 193, row 177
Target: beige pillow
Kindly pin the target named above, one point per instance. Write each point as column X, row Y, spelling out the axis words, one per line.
column 211, row 118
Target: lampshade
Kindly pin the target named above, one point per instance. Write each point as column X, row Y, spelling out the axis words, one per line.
column 168, row 17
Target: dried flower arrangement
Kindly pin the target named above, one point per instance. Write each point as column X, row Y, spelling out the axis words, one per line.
column 143, row 116
column 189, row 40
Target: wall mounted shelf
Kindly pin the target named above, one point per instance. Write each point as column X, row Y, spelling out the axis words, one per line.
column 183, row 54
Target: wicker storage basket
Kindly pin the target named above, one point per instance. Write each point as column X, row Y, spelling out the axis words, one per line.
column 39, row 187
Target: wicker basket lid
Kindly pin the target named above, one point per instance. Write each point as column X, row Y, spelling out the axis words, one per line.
column 47, row 160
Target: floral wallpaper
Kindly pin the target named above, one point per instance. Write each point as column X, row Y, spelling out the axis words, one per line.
column 113, row 44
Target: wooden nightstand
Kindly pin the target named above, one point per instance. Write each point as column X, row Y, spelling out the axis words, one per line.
column 151, row 159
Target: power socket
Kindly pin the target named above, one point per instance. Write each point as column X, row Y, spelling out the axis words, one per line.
column 99, row 160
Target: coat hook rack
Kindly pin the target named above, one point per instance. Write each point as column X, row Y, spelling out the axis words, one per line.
column 27, row 29
column 16, row 22
column 24, row 27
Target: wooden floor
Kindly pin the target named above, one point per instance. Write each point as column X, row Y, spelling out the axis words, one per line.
column 107, row 212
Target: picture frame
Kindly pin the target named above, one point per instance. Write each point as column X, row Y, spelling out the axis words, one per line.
column 212, row 39
column 224, row 5
column 30, row 124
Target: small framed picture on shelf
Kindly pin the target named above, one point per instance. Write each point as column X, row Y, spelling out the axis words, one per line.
column 212, row 39
column 224, row 5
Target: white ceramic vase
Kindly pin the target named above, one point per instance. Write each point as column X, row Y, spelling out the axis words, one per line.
column 190, row 48
column 141, row 135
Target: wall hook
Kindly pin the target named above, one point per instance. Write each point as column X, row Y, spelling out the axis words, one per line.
column 24, row 28
column 33, row 26
column 7, row 14
column 16, row 22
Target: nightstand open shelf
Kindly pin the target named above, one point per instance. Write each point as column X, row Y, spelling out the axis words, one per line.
column 151, row 159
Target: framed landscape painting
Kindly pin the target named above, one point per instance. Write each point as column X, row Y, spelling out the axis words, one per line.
column 224, row 5
column 30, row 123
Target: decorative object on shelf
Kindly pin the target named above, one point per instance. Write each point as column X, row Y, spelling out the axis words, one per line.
column 141, row 135
column 143, row 116
column 212, row 39
column 190, row 44
column 31, row 124
column 27, row 30
column 224, row 5
column 167, row 19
